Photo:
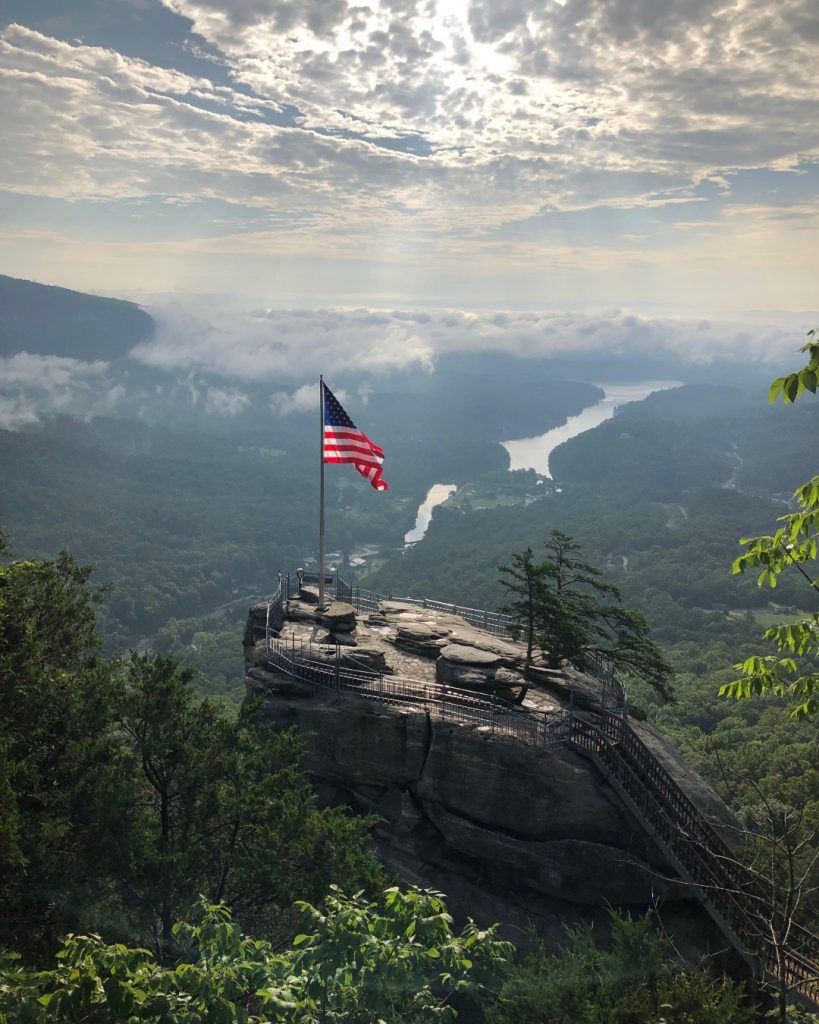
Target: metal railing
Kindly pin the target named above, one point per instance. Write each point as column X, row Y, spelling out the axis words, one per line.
column 614, row 696
column 729, row 891
column 301, row 661
column 368, row 601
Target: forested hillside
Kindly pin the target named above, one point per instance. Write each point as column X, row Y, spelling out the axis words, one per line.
column 183, row 507
column 46, row 320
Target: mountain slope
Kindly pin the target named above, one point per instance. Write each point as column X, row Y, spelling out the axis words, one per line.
column 46, row 320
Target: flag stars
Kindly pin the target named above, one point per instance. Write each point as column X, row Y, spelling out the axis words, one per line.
column 344, row 442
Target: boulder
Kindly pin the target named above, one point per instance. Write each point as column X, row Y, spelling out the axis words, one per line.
column 397, row 608
column 309, row 594
column 355, row 659
column 301, row 611
column 364, row 658
column 506, row 679
column 511, row 655
column 568, row 684
column 337, row 617
column 421, row 638
column 467, row 666
column 341, row 639
column 473, row 657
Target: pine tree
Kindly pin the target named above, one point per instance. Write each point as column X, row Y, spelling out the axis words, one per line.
column 565, row 606
column 524, row 583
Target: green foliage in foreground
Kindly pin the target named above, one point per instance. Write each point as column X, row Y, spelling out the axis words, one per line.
column 123, row 795
column 635, row 981
column 394, row 959
column 794, row 544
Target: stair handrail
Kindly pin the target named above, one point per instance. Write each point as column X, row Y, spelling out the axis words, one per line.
column 703, row 858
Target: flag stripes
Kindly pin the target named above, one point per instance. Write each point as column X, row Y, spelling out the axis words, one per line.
column 343, row 442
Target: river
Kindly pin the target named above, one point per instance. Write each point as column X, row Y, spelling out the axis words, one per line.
column 534, row 452
column 436, row 495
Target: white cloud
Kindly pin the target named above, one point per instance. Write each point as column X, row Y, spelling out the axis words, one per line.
column 528, row 93
column 290, row 344
column 295, row 345
column 33, row 386
column 413, row 133
column 225, row 401
column 303, row 399
column 517, row 106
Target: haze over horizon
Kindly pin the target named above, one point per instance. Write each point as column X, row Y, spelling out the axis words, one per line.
column 565, row 155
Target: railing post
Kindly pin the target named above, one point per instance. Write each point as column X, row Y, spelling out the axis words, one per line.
column 338, row 666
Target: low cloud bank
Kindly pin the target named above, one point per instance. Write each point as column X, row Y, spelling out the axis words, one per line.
column 33, row 386
column 221, row 363
column 290, row 345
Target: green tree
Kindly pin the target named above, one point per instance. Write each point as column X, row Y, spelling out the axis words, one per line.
column 396, row 958
column 575, row 614
column 790, row 548
column 522, row 581
column 635, row 980
column 177, row 741
column 393, row 959
column 64, row 796
column 123, row 795
column 225, row 810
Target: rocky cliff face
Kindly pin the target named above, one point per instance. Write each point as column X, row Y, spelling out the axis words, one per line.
column 510, row 832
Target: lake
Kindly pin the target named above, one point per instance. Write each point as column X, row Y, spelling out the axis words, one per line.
column 534, row 452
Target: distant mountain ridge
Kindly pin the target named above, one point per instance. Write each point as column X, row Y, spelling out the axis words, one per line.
column 47, row 320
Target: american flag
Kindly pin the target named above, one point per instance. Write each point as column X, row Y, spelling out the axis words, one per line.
column 344, row 442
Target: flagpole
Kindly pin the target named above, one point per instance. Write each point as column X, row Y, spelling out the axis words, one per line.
column 321, row 498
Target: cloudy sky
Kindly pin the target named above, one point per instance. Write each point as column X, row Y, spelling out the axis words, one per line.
column 473, row 154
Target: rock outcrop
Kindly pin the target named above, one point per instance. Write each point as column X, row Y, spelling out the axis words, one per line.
column 509, row 831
